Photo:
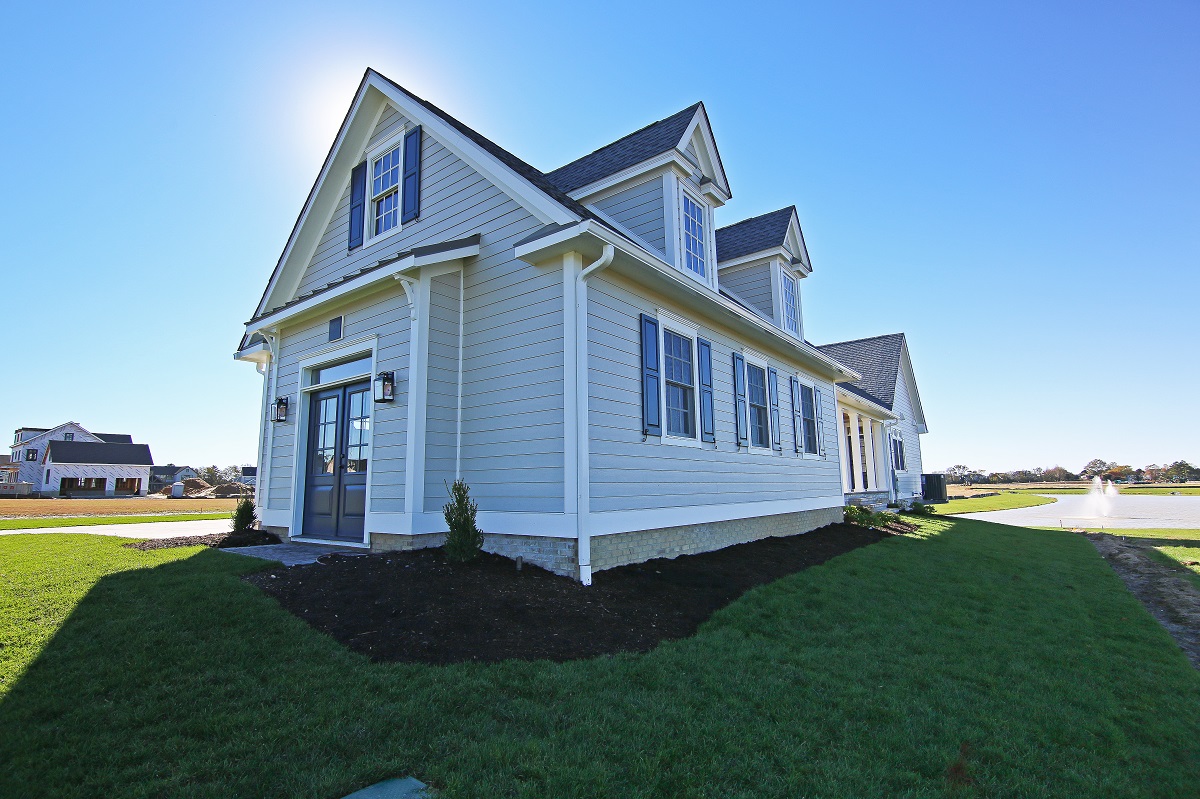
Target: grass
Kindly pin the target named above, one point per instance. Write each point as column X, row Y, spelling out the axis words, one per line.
column 1006, row 501
column 132, row 506
column 75, row 521
column 1160, row 533
column 1012, row 657
column 1180, row 558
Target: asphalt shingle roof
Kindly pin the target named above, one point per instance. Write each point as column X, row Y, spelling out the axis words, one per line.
column 115, row 438
column 753, row 235
column 631, row 150
column 102, row 453
column 877, row 359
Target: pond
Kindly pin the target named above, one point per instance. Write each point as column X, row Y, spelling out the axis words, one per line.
column 1074, row 510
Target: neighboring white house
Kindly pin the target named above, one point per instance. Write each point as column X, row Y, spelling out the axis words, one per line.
column 614, row 377
column 249, row 476
column 71, row 460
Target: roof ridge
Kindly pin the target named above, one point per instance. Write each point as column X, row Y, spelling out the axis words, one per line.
column 865, row 338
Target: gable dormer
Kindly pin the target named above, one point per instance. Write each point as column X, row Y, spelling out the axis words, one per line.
column 761, row 262
column 659, row 186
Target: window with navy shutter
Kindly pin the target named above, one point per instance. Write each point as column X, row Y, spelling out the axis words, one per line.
column 651, row 404
column 411, row 203
column 708, row 430
column 358, row 202
column 741, row 410
column 773, row 392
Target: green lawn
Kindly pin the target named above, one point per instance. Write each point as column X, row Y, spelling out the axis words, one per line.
column 1163, row 534
column 75, row 521
column 139, row 674
column 1005, row 501
column 1186, row 558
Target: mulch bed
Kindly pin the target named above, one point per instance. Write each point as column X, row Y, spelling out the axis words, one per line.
column 417, row 607
column 219, row 540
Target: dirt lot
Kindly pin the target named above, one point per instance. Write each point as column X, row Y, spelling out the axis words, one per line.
column 127, row 506
column 417, row 607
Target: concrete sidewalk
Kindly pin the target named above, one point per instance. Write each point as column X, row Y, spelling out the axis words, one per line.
column 138, row 530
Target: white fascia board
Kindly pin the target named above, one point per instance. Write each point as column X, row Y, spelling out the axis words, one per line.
column 536, row 201
column 710, row 145
column 914, row 395
column 636, row 173
column 575, row 238
column 864, row 405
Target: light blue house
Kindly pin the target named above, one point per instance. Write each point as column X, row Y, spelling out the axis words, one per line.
column 615, row 378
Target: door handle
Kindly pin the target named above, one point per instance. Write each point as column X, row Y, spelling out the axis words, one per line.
column 344, row 461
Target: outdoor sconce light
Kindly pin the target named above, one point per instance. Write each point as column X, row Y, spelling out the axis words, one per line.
column 385, row 386
column 280, row 410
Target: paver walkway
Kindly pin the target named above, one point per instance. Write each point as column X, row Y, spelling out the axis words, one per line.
column 1130, row 512
column 138, row 530
column 294, row 554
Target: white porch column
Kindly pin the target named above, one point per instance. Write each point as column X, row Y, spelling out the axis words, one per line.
column 869, row 440
column 856, row 450
column 844, row 455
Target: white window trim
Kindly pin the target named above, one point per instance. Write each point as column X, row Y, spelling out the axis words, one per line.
column 892, row 453
column 369, row 237
column 709, row 278
column 680, row 327
column 796, row 412
column 785, row 275
column 757, row 359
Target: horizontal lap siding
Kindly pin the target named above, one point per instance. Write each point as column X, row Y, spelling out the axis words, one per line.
column 641, row 209
column 910, row 479
column 512, row 415
column 627, row 474
column 752, row 284
column 386, row 316
column 441, row 421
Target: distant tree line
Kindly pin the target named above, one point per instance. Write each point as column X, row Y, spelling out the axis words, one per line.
column 1177, row 472
column 216, row 475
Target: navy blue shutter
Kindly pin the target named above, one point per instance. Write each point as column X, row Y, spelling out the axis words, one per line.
column 708, row 431
column 410, row 207
column 358, row 204
column 820, row 421
column 773, row 389
column 651, row 405
column 741, row 409
column 797, row 424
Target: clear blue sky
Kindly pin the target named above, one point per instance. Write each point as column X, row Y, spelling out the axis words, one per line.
column 1015, row 186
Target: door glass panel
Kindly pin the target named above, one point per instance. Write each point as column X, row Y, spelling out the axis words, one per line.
column 358, row 438
column 341, row 371
column 325, row 452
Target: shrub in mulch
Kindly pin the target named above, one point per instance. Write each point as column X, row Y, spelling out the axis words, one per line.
column 419, row 607
column 249, row 538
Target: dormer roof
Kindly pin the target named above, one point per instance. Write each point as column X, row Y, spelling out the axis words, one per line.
column 681, row 131
column 760, row 234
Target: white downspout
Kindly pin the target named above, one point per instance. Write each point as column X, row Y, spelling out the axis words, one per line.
column 266, row 429
column 582, row 450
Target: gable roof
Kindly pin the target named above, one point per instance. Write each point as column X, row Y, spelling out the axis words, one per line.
column 755, row 234
column 99, row 453
column 641, row 145
column 877, row 359
column 170, row 470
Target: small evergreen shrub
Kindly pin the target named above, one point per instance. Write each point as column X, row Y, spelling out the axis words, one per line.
column 244, row 518
column 465, row 539
column 921, row 509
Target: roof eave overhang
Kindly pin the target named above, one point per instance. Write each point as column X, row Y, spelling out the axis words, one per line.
column 255, row 353
column 589, row 238
column 384, row 272
column 795, row 264
column 860, row 402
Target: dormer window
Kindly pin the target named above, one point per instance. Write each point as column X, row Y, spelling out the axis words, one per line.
column 693, row 236
column 789, row 302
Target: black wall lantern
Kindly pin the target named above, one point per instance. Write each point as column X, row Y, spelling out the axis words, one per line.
column 385, row 387
column 279, row 414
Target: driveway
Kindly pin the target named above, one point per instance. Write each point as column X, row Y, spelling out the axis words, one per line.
column 1129, row 512
column 139, row 530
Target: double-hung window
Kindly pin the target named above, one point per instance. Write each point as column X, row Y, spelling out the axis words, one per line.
column 760, row 412
column 790, row 303
column 679, row 375
column 808, row 418
column 68, row 436
column 693, row 236
column 385, row 191
column 31, row 454
column 898, row 454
